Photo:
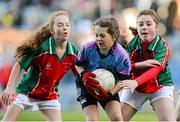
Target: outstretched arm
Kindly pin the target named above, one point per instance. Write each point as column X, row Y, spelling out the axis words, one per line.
column 145, row 77
column 117, row 86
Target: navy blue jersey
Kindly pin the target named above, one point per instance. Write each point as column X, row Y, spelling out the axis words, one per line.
column 116, row 61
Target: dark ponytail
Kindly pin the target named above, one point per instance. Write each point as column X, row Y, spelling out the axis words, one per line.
column 133, row 30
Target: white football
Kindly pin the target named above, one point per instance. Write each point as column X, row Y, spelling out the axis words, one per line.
column 105, row 78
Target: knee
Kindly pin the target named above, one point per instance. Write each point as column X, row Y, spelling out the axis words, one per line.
column 116, row 117
column 91, row 119
column 178, row 117
column 168, row 118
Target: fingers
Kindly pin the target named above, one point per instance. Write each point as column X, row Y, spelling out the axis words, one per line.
column 8, row 98
column 152, row 65
column 127, row 84
column 97, row 91
column 5, row 99
column 154, row 62
column 94, row 92
column 88, row 75
column 92, row 75
column 90, row 86
column 101, row 89
column 11, row 98
column 123, row 84
column 91, row 91
column 157, row 64
column 93, row 81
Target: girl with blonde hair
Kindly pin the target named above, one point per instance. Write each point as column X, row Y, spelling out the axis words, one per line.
column 45, row 58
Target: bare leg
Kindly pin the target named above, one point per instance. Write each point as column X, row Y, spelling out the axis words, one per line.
column 52, row 114
column 178, row 110
column 164, row 109
column 12, row 113
column 113, row 110
column 91, row 113
column 4, row 107
column 127, row 111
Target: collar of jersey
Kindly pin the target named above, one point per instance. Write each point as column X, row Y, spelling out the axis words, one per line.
column 151, row 46
column 110, row 51
column 52, row 49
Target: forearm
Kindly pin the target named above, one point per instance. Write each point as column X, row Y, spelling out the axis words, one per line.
column 79, row 69
column 116, row 89
column 148, row 75
column 117, row 86
column 145, row 64
column 14, row 76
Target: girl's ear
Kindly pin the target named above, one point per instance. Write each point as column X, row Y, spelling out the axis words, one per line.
column 114, row 37
column 157, row 28
column 51, row 29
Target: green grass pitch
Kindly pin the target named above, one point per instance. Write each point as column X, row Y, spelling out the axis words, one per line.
column 79, row 116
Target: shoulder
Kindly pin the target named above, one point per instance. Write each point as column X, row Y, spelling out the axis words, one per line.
column 161, row 44
column 119, row 50
column 44, row 45
column 74, row 48
column 133, row 41
column 89, row 45
column 163, row 41
column 133, row 44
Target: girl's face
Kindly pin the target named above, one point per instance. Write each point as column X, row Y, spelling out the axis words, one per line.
column 147, row 28
column 61, row 28
column 103, row 39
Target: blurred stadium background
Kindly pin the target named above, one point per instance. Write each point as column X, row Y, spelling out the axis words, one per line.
column 19, row 18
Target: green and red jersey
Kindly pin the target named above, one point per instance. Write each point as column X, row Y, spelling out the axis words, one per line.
column 150, row 79
column 44, row 69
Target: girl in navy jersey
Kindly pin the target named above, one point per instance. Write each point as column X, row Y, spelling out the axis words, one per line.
column 105, row 52
column 45, row 58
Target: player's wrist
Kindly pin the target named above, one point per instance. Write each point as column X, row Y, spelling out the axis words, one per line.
column 137, row 82
column 110, row 94
column 82, row 74
column 133, row 65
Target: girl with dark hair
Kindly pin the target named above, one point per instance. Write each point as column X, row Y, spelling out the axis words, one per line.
column 150, row 76
column 105, row 52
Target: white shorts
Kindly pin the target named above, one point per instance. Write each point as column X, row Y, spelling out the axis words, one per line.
column 25, row 102
column 136, row 99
